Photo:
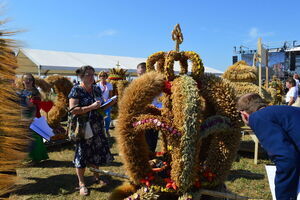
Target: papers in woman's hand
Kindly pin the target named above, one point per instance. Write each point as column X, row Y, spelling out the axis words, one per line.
column 108, row 101
column 41, row 127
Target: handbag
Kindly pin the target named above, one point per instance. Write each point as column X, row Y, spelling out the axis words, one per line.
column 75, row 127
column 78, row 126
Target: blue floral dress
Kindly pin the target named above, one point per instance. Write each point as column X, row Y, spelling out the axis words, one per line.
column 94, row 150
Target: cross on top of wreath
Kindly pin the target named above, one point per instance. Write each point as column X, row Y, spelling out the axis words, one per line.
column 163, row 62
column 177, row 36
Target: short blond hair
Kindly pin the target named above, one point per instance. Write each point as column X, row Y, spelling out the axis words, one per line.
column 103, row 73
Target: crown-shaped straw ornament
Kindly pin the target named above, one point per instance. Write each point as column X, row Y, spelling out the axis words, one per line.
column 165, row 60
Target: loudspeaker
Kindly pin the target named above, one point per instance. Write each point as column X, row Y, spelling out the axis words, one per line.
column 292, row 61
column 234, row 59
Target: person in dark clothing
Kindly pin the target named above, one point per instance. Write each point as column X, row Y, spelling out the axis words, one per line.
column 92, row 151
column 277, row 128
column 151, row 134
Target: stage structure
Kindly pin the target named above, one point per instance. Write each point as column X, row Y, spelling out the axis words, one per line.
column 282, row 58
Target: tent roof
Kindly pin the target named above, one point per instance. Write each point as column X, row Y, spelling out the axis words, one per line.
column 69, row 61
column 294, row 49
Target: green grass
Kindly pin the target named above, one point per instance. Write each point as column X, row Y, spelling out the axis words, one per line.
column 248, row 179
column 56, row 179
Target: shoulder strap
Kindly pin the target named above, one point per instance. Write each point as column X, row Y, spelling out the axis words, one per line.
column 69, row 110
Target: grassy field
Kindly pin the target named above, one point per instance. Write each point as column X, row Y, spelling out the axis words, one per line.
column 55, row 178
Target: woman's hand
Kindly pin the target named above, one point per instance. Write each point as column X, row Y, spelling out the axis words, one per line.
column 95, row 105
column 114, row 101
column 84, row 109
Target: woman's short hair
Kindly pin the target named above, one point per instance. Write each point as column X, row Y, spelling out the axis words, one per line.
column 81, row 71
column 291, row 81
column 250, row 103
column 141, row 65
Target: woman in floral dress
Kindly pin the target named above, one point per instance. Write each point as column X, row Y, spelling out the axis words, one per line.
column 93, row 151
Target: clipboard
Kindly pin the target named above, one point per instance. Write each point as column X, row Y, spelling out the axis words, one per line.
column 108, row 101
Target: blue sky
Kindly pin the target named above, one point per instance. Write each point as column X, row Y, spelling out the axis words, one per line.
column 138, row 28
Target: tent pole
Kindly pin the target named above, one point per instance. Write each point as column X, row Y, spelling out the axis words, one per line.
column 259, row 52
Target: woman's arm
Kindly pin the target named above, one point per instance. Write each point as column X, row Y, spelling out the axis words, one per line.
column 292, row 96
column 110, row 90
column 84, row 109
column 110, row 94
column 292, row 100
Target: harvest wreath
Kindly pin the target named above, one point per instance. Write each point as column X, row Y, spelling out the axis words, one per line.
column 198, row 124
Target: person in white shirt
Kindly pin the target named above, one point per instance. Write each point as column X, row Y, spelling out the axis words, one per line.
column 107, row 90
column 296, row 78
column 292, row 94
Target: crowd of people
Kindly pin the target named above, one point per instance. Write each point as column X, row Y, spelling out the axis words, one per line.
column 87, row 98
column 275, row 126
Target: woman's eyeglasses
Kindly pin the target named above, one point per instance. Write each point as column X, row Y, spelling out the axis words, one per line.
column 90, row 74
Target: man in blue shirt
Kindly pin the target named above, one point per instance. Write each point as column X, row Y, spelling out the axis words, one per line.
column 278, row 130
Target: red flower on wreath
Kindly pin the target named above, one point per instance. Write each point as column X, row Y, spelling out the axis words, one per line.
column 46, row 105
column 149, row 177
column 170, row 184
column 167, row 88
column 209, row 175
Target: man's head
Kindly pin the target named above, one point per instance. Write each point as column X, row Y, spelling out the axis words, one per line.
column 248, row 104
column 296, row 76
column 141, row 68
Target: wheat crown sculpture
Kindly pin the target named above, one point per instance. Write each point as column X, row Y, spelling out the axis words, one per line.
column 198, row 124
column 14, row 136
column 244, row 80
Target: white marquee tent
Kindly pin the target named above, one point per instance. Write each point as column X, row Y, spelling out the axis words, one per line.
column 65, row 63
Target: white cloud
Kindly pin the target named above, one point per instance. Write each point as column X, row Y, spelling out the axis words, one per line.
column 255, row 33
column 108, row 32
